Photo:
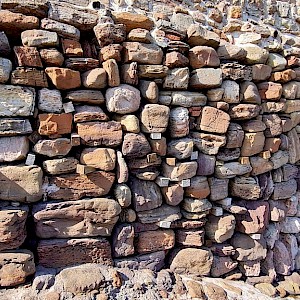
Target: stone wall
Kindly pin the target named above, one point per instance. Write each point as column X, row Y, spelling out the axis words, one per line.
column 167, row 138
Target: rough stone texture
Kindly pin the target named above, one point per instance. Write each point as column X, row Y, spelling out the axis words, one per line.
column 57, row 253
column 16, row 265
column 94, row 217
column 13, row 148
column 100, row 158
column 64, row 78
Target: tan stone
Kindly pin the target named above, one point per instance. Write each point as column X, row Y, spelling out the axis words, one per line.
column 71, row 48
column 201, row 56
column 95, row 78
column 112, row 70
column 52, row 57
column 270, row 90
column 55, row 124
column 100, row 158
column 253, row 143
column 63, row 78
column 58, row 147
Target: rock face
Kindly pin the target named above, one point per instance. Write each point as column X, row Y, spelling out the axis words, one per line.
column 73, row 251
column 16, row 265
column 94, row 217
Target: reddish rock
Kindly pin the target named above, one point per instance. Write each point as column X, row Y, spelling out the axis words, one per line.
column 135, row 145
column 94, row 217
column 151, row 241
column 76, row 186
column 203, row 56
column 28, row 56
column 261, row 72
column 58, row 253
column 100, row 133
column 190, row 237
column 112, row 51
column 102, row 158
column 176, row 60
column 71, row 48
column 29, row 76
column 173, row 194
column 12, row 227
column 253, row 143
column 63, row 79
column 282, row 259
column 256, row 219
column 108, row 33
column 58, row 147
column 55, row 124
column 52, row 57
column 270, row 90
column 222, row 266
column 13, row 23
column 199, row 188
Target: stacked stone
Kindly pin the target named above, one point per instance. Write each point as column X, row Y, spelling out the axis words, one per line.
column 179, row 143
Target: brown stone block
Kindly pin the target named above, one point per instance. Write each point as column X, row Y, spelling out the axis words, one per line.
column 55, row 124
column 29, row 76
column 28, row 56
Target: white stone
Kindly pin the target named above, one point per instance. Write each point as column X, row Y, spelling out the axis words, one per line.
column 13, row 148
column 231, row 91
column 50, row 101
column 5, row 69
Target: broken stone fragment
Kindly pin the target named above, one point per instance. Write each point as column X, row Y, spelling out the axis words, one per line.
column 122, row 243
column 63, row 78
column 208, row 143
column 180, row 171
column 53, row 148
column 96, row 216
column 190, row 237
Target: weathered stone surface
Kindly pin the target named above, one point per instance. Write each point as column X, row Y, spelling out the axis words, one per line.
column 95, row 78
column 190, row 238
column 199, row 36
column 86, row 113
column 201, row 56
column 13, row 23
column 51, row 148
column 196, row 205
column 5, row 69
column 16, row 101
column 100, row 158
column 179, row 122
column 177, row 78
column 55, row 124
column 77, row 186
column 146, row 195
column 38, row 8
column 175, row 60
column 206, row 164
column 294, row 146
column 60, row 165
column 249, row 93
column 82, row 18
column 112, row 51
column 282, row 259
column 220, row 229
column 245, row 187
column 214, row 120
column 62, row 29
column 256, row 219
column 63, row 78
column 153, row 261
column 135, row 145
column 180, row 171
column 152, row 71
column 16, row 265
column 5, row 47
column 28, row 56
column 206, row 78
column 248, row 249
column 180, row 148
column 21, row 183
column 188, row 99
column 81, row 64
column 163, row 213
column 218, row 188
column 244, row 111
column 154, row 118
column 112, row 70
column 57, row 253
column 151, row 241
column 173, row 194
column 100, row 133
column 13, row 230
column 122, row 244
column 29, row 76
column 50, row 100
column 85, row 96
column 285, row 189
column 232, row 52
column 51, row 57
column 232, row 169
column 94, row 217
column 142, row 53
column 253, row 143
column 235, row 136
column 14, row 126
column 255, row 54
column 123, row 99
column 13, row 148
column 208, row 143
column 270, row 90
column 192, row 261
column 39, row 38
column 260, row 165
column 108, row 33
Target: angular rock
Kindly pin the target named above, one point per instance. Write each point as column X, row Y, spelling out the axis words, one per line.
column 146, row 195
column 255, row 54
column 94, row 217
column 199, row 36
column 220, row 229
column 244, row 111
column 51, row 148
column 179, row 122
column 201, row 56
column 152, row 241
column 218, row 188
column 13, row 230
column 50, row 100
column 13, row 148
column 214, row 120
column 208, row 143
column 282, row 259
column 28, row 56
column 192, row 261
column 135, row 145
column 180, row 171
column 94, row 79
column 62, row 29
column 5, row 47
column 206, row 78
column 58, row 253
column 246, row 188
column 55, row 124
column 285, row 189
column 190, row 238
column 16, row 265
column 63, row 78
column 5, row 69
column 82, row 18
column 123, row 99
column 85, row 96
column 177, row 78
column 232, row 169
column 100, row 133
column 173, row 194
column 188, row 99
column 77, row 186
column 253, row 143
column 123, row 237
column 112, row 70
column 108, row 33
column 270, row 90
column 21, row 183
column 180, row 148
column 123, row 195
column 175, row 60
column 39, row 38
column 51, row 57
column 60, row 165
column 100, row 158
column 196, row 205
column 14, row 126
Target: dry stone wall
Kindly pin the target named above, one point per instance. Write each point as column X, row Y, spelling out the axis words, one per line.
column 150, row 136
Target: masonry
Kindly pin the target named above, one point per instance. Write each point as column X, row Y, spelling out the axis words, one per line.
column 150, row 135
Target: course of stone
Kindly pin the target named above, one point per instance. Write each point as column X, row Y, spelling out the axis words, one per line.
column 150, row 136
